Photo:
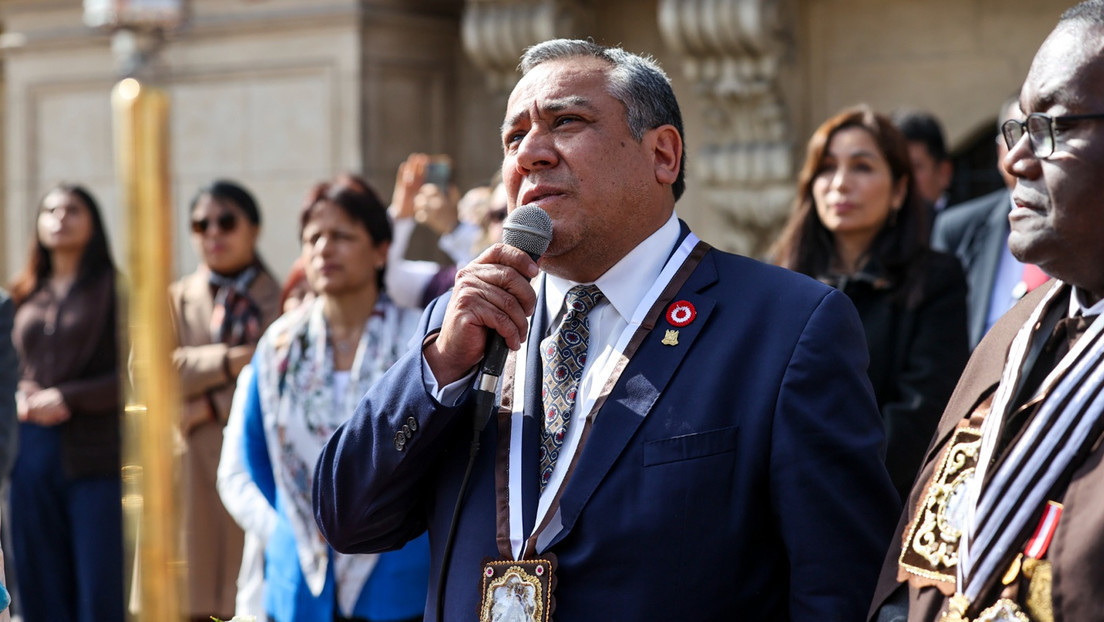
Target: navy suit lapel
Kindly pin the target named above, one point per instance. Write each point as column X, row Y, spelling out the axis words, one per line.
column 634, row 395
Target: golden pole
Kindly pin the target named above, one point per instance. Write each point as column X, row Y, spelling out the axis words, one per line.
column 141, row 145
column 141, row 120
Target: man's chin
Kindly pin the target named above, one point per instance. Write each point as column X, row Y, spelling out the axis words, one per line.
column 1029, row 248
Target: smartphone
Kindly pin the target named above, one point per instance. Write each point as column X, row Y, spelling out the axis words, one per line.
column 439, row 172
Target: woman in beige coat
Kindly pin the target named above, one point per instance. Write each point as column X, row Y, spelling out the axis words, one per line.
column 220, row 311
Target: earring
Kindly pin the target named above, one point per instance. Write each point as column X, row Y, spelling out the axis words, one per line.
column 893, row 216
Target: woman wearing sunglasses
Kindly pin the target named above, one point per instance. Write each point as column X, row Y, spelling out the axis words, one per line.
column 220, row 311
column 858, row 224
column 311, row 368
column 66, row 519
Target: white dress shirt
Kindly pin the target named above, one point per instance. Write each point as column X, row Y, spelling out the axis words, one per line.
column 1078, row 307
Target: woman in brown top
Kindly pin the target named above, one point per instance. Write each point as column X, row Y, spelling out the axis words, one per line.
column 220, row 311
column 65, row 489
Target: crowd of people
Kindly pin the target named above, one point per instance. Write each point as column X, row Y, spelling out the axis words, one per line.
column 677, row 433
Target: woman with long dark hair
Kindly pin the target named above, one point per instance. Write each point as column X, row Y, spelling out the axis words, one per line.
column 859, row 225
column 65, row 491
column 220, row 311
column 311, row 368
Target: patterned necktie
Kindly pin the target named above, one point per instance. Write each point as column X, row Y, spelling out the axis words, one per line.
column 564, row 355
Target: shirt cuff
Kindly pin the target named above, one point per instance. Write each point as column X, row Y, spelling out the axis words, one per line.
column 450, row 394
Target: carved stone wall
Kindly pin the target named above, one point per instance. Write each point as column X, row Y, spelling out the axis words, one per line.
column 732, row 52
column 495, row 32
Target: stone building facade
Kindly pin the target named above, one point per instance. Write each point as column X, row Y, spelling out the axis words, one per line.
column 281, row 93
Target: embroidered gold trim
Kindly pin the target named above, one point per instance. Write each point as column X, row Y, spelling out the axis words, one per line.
column 1040, row 578
column 1004, row 610
column 956, row 609
column 931, row 547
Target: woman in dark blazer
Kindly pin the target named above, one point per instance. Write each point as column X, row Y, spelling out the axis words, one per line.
column 66, row 493
column 858, row 224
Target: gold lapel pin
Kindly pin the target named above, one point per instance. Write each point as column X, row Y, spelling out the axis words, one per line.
column 671, row 338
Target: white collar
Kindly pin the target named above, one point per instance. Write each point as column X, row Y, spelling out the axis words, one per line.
column 1077, row 305
column 624, row 284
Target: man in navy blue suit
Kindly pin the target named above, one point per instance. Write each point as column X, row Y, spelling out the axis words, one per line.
column 683, row 434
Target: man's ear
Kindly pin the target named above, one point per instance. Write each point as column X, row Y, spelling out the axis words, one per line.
column 667, row 153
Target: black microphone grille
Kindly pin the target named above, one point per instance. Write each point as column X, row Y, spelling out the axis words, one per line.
column 529, row 228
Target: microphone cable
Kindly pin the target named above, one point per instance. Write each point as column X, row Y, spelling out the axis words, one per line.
column 529, row 228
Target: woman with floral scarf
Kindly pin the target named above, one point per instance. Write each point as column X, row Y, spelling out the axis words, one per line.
column 312, row 367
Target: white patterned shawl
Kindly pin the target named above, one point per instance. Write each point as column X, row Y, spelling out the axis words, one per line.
column 295, row 382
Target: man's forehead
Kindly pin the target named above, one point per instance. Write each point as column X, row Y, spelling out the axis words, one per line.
column 1067, row 72
column 521, row 109
column 558, row 82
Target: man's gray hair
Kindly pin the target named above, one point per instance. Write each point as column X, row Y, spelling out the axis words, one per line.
column 638, row 82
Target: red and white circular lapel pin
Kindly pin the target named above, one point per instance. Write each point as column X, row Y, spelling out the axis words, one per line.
column 681, row 313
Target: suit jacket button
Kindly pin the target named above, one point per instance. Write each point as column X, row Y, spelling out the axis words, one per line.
column 407, row 432
column 400, row 441
column 413, row 423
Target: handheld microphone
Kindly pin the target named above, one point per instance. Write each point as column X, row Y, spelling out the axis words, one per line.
column 528, row 228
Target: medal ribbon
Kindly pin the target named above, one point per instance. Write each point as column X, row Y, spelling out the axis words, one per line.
column 511, row 538
column 1037, row 546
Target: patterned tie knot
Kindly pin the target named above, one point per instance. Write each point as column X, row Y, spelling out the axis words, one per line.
column 582, row 298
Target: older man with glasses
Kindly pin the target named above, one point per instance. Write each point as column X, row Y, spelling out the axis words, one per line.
column 1006, row 521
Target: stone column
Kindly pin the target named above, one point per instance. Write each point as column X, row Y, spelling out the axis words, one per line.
column 495, row 32
column 732, row 53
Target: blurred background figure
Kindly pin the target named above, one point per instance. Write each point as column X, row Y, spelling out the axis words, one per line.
column 857, row 224
column 9, row 380
column 296, row 289
column 417, row 199
column 485, row 207
column 977, row 233
column 244, row 501
column 65, row 490
column 931, row 164
column 220, row 311
column 312, row 367
column 239, row 493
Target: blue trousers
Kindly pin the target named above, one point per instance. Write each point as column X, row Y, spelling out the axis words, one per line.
column 67, row 535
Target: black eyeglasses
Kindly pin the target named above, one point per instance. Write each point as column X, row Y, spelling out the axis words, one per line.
column 224, row 222
column 1040, row 131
